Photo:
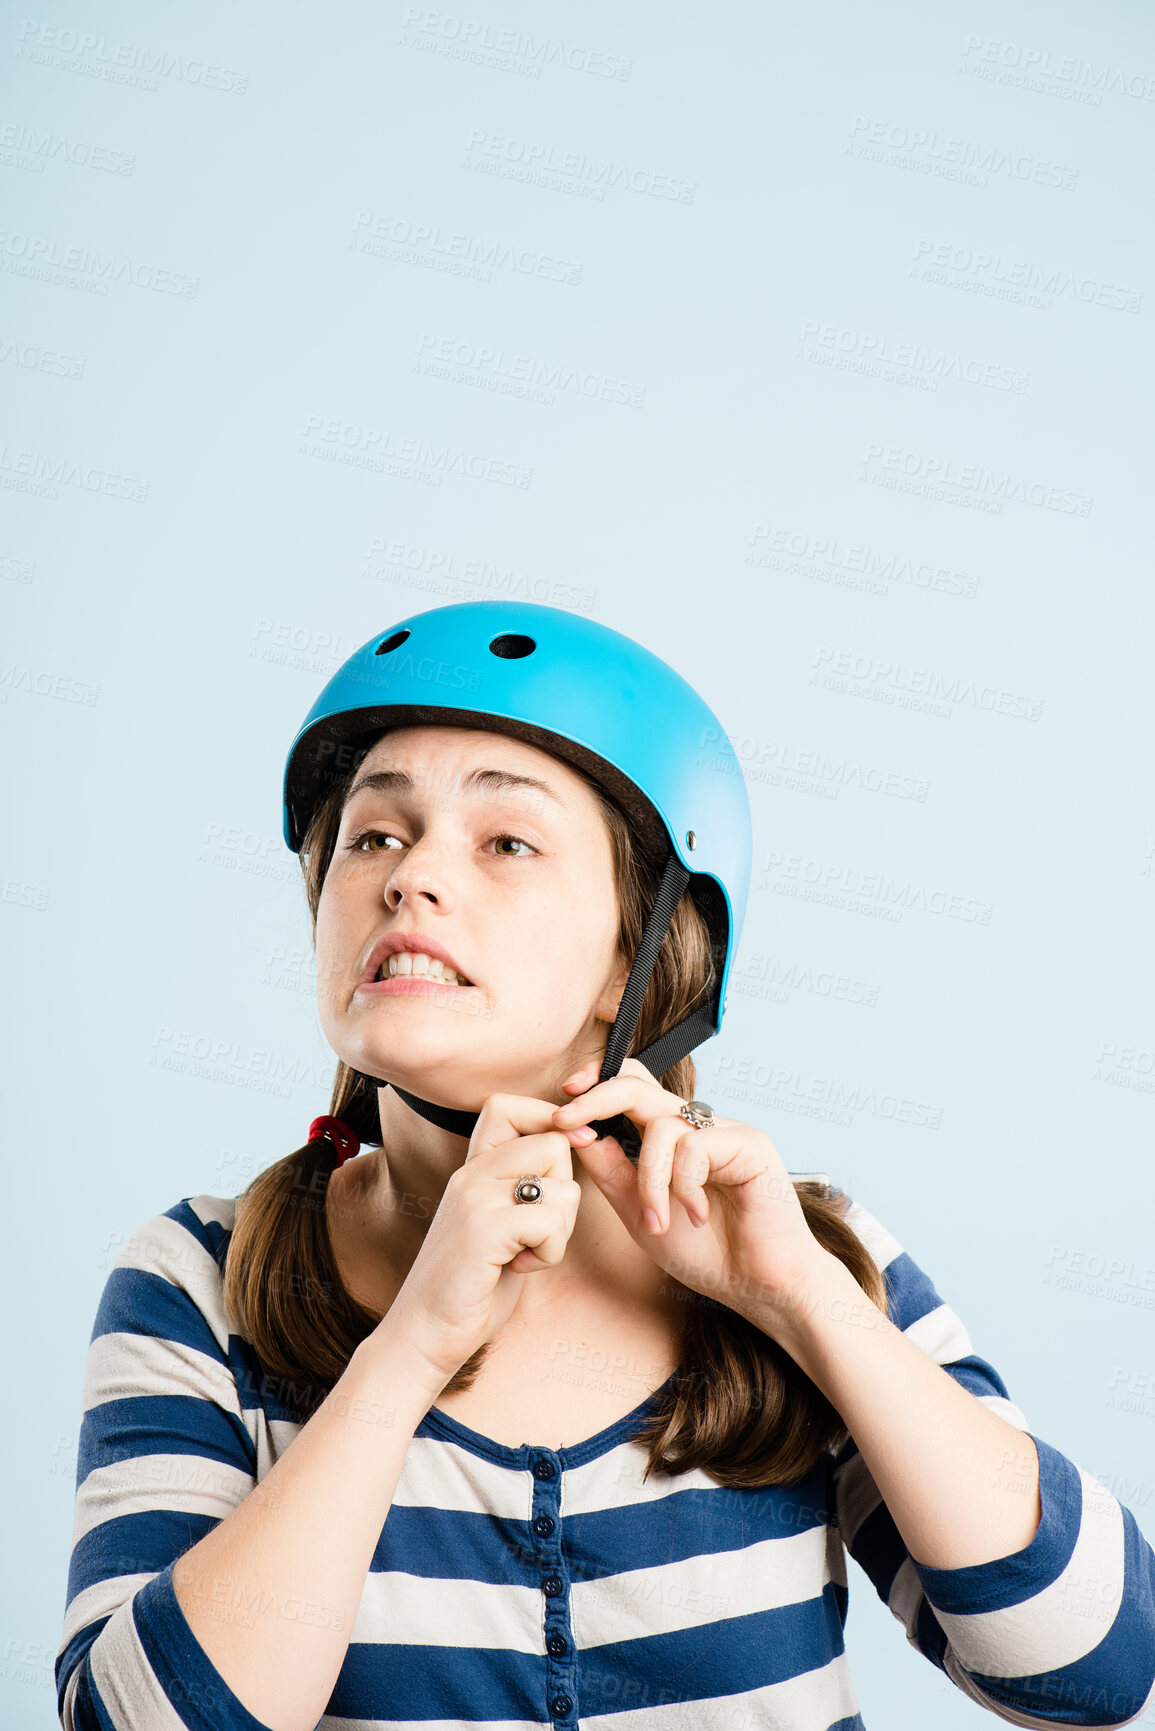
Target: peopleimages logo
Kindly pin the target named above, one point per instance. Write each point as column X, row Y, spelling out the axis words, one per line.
column 102, row 57
column 573, row 170
column 782, row 764
column 38, row 360
column 1016, row 279
column 514, row 374
column 433, row 248
column 828, row 559
column 43, row 683
column 41, row 147
column 993, row 486
column 1033, row 65
column 80, row 267
column 952, row 158
column 34, row 472
column 440, row 572
column 890, row 682
column 835, row 884
column 882, row 356
column 468, row 39
column 383, row 452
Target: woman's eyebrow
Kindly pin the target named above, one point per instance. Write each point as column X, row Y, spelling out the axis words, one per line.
column 398, row 781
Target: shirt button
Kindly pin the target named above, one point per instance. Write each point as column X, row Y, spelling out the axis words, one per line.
column 542, row 1469
column 560, row 1706
column 543, row 1525
column 551, row 1586
column 557, row 1645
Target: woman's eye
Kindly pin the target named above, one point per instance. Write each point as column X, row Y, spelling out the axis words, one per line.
column 371, row 835
column 383, row 835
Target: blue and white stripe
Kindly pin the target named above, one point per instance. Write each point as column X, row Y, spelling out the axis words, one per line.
column 687, row 1605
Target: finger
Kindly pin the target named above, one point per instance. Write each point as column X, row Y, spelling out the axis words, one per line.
column 542, row 1229
column 505, row 1116
column 545, row 1155
column 613, row 1173
column 583, row 1078
column 638, row 1099
column 540, row 1232
column 655, row 1165
column 691, row 1168
column 726, row 1155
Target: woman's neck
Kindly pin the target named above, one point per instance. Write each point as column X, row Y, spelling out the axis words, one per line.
column 380, row 1205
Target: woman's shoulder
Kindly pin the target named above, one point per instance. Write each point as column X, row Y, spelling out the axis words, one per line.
column 883, row 1246
column 885, row 1249
column 176, row 1241
column 914, row 1303
column 173, row 1262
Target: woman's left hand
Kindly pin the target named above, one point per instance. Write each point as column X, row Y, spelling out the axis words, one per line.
column 726, row 1222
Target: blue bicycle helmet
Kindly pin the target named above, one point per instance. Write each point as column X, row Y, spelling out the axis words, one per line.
column 597, row 700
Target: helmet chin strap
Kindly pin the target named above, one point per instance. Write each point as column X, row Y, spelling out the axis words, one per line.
column 657, row 1058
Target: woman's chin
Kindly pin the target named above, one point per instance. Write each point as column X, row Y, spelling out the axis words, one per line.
column 430, row 1075
column 435, row 1077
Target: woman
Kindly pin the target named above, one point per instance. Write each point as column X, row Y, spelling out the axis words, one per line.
column 616, row 1493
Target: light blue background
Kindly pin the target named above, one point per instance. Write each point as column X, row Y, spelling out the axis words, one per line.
column 160, row 652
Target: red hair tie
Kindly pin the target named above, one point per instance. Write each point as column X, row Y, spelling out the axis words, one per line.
column 339, row 1134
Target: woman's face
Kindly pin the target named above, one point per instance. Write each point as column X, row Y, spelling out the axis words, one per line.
column 497, row 853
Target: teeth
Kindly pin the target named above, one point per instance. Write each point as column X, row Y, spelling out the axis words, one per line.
column 415, row 962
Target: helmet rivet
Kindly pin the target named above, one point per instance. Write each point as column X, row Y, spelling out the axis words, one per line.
column 691, row 840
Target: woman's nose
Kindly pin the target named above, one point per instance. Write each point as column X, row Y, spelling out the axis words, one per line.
column 422, row 874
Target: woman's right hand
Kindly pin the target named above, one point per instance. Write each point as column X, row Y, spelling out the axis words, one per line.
column 467, row 1277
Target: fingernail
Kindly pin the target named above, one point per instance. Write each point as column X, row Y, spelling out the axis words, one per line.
column 653, row 1224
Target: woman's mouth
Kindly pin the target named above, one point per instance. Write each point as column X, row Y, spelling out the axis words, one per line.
column 416, row 986
column 414, row 974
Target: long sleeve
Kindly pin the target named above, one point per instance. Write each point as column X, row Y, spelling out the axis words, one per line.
column 1059, row 1633
column 164, row 1455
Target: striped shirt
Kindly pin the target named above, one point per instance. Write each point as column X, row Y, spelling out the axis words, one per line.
column 526, row 1587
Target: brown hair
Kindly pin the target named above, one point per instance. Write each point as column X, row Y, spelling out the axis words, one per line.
column 740, row 1408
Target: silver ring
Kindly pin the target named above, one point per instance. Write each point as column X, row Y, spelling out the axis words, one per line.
column 527, row 1189
column 697, row 1113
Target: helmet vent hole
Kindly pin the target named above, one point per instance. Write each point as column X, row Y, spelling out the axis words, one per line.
column 512, row 646
column 393, row 642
